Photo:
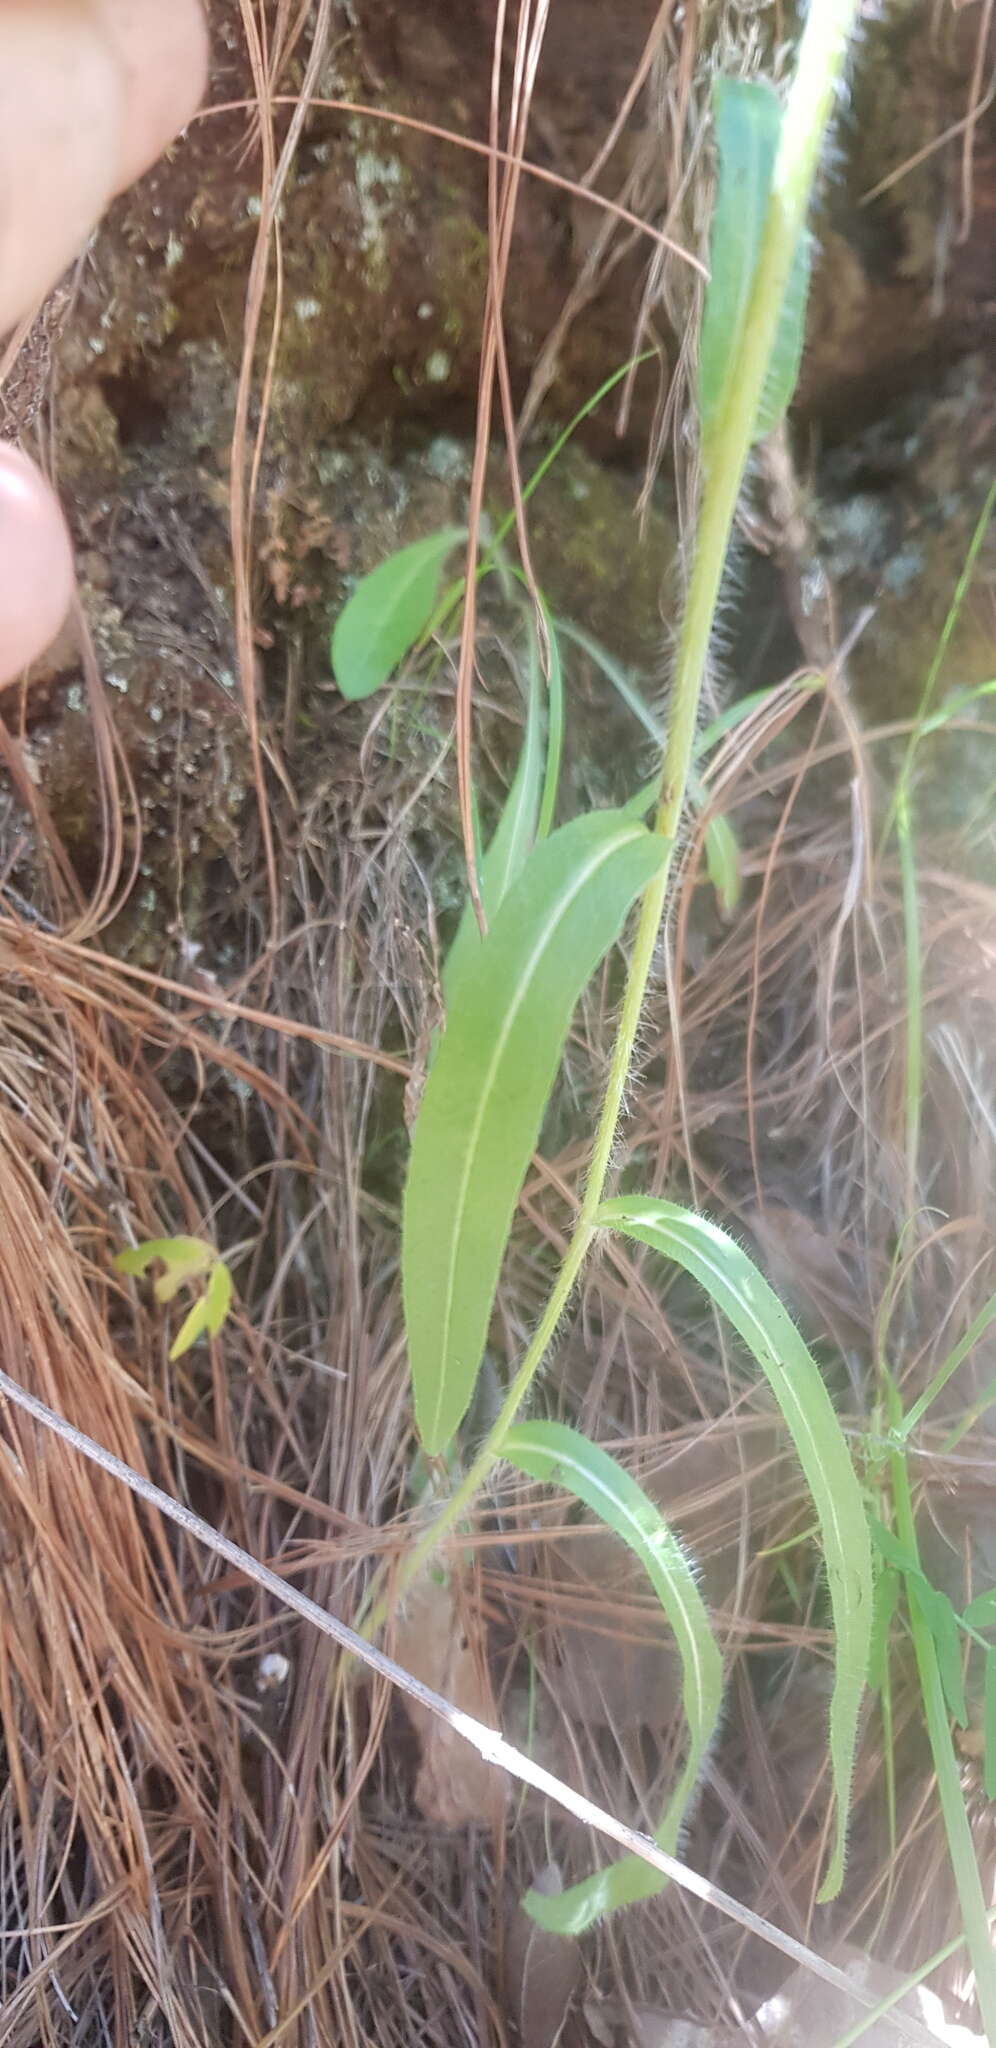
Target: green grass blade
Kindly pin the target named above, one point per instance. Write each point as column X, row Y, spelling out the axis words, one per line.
column 508, row 851
column 989, row 1724
column 558, row 1456
column 739, row 1291
column 555, row 729
column 388, row 612
column 947, row 1765
column 748, row 121
column 986, row 1315
column 555, row 702
column 488, row 1087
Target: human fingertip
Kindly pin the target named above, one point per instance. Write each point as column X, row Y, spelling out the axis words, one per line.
column 163, row 55
column 60, row 142
column 36, row 564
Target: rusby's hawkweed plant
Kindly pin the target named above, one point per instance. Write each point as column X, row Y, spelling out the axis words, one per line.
column 556, row 901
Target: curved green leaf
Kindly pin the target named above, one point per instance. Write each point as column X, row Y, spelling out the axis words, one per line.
column 747, row 119
column 388, row 612
column 736, row 1287
column 185, row 1258
column 559, row 1456
column 488, row 1087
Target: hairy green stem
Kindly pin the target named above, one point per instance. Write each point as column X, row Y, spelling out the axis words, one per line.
column 821, row 57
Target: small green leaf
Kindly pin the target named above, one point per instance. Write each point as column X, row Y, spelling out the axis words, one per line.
column 556, row 1455
column 487, row 1090
column 388, row 612
column 186, row 1259
column 734, row 1284
column 722, row 852
column 509, row 849
column 981, row 1612
column 989, row 1724
column 747, row 119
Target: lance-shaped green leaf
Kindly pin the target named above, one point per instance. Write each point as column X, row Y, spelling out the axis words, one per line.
column 740, row 1292
column 747, row 119
column 388, row 612
column 558, row 1456
column 488, row 1087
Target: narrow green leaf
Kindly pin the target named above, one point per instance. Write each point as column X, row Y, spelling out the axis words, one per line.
column 388, row 612
column 736, row 1287
column 558, row 1456
column 942, row 1622
column 747, row 120
column 955, row 1357
column 722, row 852
column 554, row 729
column 936, row 1611
column 555, row 701
column 509, row 849
column 487, row 1090
column 894, row 1552
column 989, row 1724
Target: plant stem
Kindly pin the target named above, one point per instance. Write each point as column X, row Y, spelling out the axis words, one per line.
column 821, row 57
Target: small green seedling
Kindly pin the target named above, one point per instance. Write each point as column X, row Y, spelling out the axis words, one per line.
column 186, row 1259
